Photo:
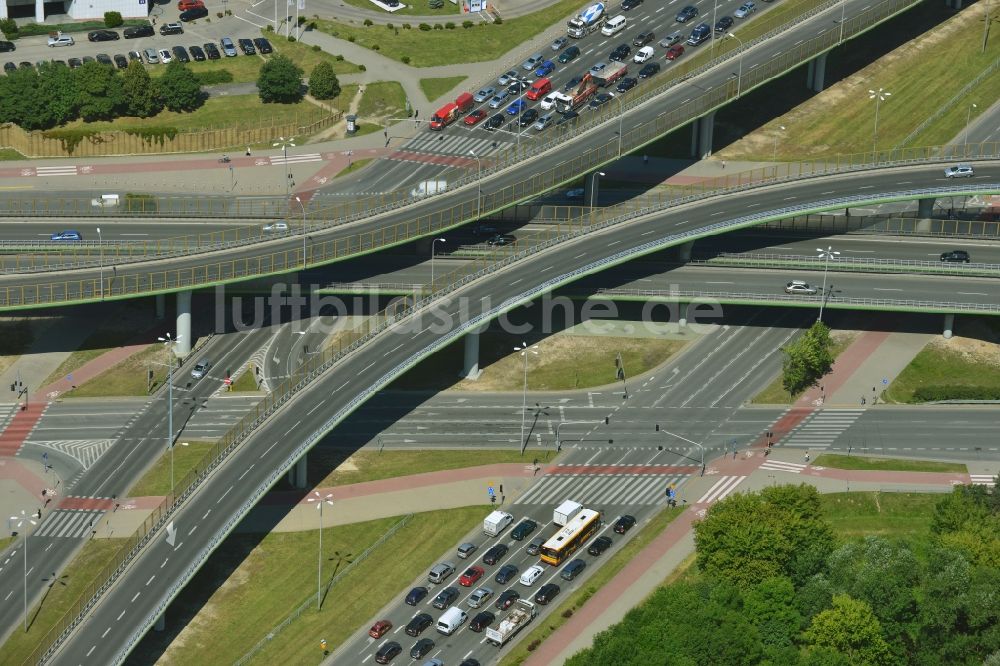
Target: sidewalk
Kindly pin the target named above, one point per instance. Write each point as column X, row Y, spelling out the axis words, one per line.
column 883, row 365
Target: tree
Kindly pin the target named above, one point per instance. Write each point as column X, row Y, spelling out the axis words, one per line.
column 142, row 99
column 19, row 99
column 807, row 359
column 179, row 88
column 99, row 91
column 771, row 608
column 323, row 82
column 851, row 629
column 280, row 80
column 57, row 95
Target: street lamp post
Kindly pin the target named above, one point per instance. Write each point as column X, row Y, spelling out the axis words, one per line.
column 479, row 184
column 685, row 439
column 169, row 343
column 525, row 350
column 561, row 424
column 436, row 240
column 774, row 155
column 285, row 144
column 843, row 12
column 826, row 255
column 100, row 245
column 879, row 97
column 320, row 501
column 739, row 76
column 304, row 236
column 621, row 128
column 593, row 178
column 21, row 520
column 968, row 119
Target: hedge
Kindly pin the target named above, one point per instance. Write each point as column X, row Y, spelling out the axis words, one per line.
column 932, row 393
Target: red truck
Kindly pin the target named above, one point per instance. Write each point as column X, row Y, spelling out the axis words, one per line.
column 586, row 89
column 450, row 112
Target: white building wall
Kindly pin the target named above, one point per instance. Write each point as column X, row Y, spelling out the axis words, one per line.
column 94, row 9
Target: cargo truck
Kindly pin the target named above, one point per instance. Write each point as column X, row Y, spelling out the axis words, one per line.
column 565, row 512
column 521, row 614
column 586, row 89
column 611, row 73
column 587, row 21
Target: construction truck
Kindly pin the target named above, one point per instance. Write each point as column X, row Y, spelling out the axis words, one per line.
column 586, row 89
column 521, row 614
column 587, row 21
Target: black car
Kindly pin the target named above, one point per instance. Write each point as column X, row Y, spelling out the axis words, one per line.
column 505, row 574
column 421, row 647
column 196, row 53
column 686, row 14
column 72, row 62
column 102, row 36
column 600, row 100
column 180, row 54
column 136, row 31
column 445, row 598
column 9, row 67
column 263, row 46
column 470, row 662
column 724, row 24
column 627, row 84
column 416, row 595
column 506, row 598
column 643, row 38
column 388, row 652
column 105, row 59
column 528, row 117
column 568, row 116
column 493, row 555
column 630, row 4
column 193, row 14
column 134, row 55
column 495, row 122
column 481, row 621
column 6, row 47
column 87, row 59
column 568, row 54
column 171, row 29
column 649, row 70
column 547, row 593
column 956, row 256
column 121, row 61
column 24, row 64
column 523, row 529
column 246, row 46
column 212, row 51
column 624, row 524
column 502, row 239
column 601, row 544
column 573, row 83
column 621, row 52
column 416, row 626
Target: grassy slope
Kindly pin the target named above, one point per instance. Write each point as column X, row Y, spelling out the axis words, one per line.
column 940, row 367
column 434, row 88
column 886, row 464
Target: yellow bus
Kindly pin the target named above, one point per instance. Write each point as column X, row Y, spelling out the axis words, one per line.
column 581, row 527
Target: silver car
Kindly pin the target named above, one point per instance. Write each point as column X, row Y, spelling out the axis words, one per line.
column 498, row 100
column 745, row 10
column 479, row 597
column 544, row 122
column 671, row 39
column 507, row 77
column 228, row 48
column 598, row 68
column 559, row 43
column 800, row 287
column 533, row 62
column 483, row 95
column 201, row 369
column 151, row 56
column 960, row 171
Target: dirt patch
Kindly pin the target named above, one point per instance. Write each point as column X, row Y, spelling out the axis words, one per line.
column 977, row 344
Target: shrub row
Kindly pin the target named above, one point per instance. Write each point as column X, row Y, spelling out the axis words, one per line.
column 932, row 393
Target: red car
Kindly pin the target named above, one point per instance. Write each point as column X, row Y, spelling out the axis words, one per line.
column 471, row 575
column 675, row 52
column 380, row 629
column 475, row 117
column 185, row 5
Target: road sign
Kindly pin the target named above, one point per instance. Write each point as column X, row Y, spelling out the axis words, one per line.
column 885, row 381
column 228, row 381
column 490, row 491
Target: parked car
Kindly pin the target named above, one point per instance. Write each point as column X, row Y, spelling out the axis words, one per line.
column 121, row 61
column 72, row 62
column 569, row 54
column 136, row 31
column 649, row 69
column 228, row 47
column 165, row 56
column 380, row 629
column 102, row 36
column 196, row 53
column 246, row 45
column 745, row 10
column 388, row 652
column 686, row 14
column 800, row 287
column 7, row 47
column 558, row 43
column 600, row 544
column 263, row 46
column 180, row 54
column 445, row 598
column 960, row 171
column 200, row 369
column 483, row 95
column 418, row 623
column 546, row 593
column 193, row 14
column 482, row 620
column 470, row 576
column 171, row 29
column 495, row 121
column 624, row 524
column 184, row 5
column 956, row 256
column 505, row 574
column 415, row 595
column 151, row 56
column 211, row 51
column 60, row 40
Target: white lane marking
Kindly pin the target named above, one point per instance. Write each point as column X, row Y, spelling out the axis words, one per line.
column 880, row 289
column 92, row 648
column 192, row 530
column 206, row 514
column 307, row 414
column 165, row 560
column 105, row 632
column 120, row 615
column 150, row 580
column 224, row 495
column 267, row 450
column 248, row 470
column 971, row 293
column 136, row 596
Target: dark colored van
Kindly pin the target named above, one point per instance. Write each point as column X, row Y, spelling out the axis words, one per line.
column 573, row 569
column 193, row 13
column 700, row 33
column 523, row 529
column 135, row 31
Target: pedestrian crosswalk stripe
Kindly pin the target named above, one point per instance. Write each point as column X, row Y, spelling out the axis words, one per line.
column 782, row 466
column 84, row 451
column 71, row 524
column 982, row 479
column 448, row 144
column 822, row 428
column 601, row 489
column 721, row 489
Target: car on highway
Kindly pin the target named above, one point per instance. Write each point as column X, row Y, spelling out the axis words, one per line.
column 516, row 107
column 388, row 652
column 531, row 574
column 466, row 549
column 211, row 51
column 498, row 99
column 484, row 230
column 380, row 629
column 621, row 52
column 470, row 662
column 440, row 572
column 546, row 593
column 228, row 47
column 507, row 77
column 276, row 227
column 543, row 122
column 674, row 52
column 800, row 287
column 495, row 121
column 165, row 56
column 480, row 597
column 475, row 117
column 567, row 116
column 523, row 529
column 180, row 54
column 482, row 620
column 643, row 54
column 136, row 31
column 263, row 46
column 102, row 36
column 686, row 14
column 483, row 95
column 573, row 569
column 600, row 100
column 626, row 84
column 421, row 648
column 956, row 256
column 959, row 171
column 624, row 524
column 546, row 68
column 598, row 68
column 501, row 239
column 171, row 29
column 724, row 24
column 121, row 61
column 246, row 45
column 418, row 623
column 151, row 56
column 528, row 117
column 643, row 38
column 532, row 62
column 649, row 69
column 630, row 4
column 518, row 86
column 671, row 39
column 445, row 598
column 568, row 55
column 600, row 544
column 68, row 235
column 572, row 83
column 200, row 369
column 506, row 598
column 745, row 10
column 576, row 193
column 506, row 574
column 558, row 43
column 197, row 54
column 470, row 576
column 700, row 34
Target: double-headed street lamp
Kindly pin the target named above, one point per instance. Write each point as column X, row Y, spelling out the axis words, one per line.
column 100, row 246
column 524, row 349
column 827, row 254
column 285, row 144
column 968, row 119
column 685, row 439
column 320, row 501
column 879, row 97
column 436, row 240
column 169, row 343
column 479, row 184
column 304, row 235
column 23, row 519
column 739, row 76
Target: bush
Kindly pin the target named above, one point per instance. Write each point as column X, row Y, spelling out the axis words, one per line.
column 374, row 47
column 406, row 26
column 317, row 49
column 498, row 21
column 280, row 80
column 405, row 59
column 301, row 20
column 214, row 76
column 367, row 22
column 467, row 24
column 424, row 27
column 338, row 58
column 292, row 39
column 932, row 393
column 449, row 25
column 323, row 83
column 8, row 27
column 390, row 26
column 113, row 19
column 350, row 38
column 269, row 28
column 438, row 26
column 219, row 14
column 362, row 68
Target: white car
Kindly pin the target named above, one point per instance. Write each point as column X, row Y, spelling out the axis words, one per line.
column 960, row 171
column 479, row 597
column 800, row 287
column 531, row 574
column 643, row 54
column 165, row 56
column 61, row 40
column 745, row 10
column 276, row 226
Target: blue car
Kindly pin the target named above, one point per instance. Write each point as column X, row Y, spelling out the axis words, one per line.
column 516, row 107
column 545, row 68
column 66, row 236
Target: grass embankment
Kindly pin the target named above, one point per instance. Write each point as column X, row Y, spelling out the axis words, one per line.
column 128, row 378
column 775, row 394
column 156, row 481
column 856, row 515
column 244, row 383
column 418, row 8
column 886, row 464
column 58, row 598
column 355, row 165
column 434, row 88
column 564, row 362
column 935, row 365
column 382, row 99
column 219, row 603
column 371, row 465
column 7, row 154
column 607, row 571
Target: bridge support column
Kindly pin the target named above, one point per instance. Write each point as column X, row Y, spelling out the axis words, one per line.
column 39, row 11
column 297, row 473
column 161, row 306
column 701, row 136
column 949, row 325
column 816, row 73
column 161, row 622
column 470, row 368
column 183, row 345
column 682, row 309
column 925, row 211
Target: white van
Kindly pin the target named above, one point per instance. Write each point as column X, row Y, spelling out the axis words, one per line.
column 614, row 26
column 452, row 619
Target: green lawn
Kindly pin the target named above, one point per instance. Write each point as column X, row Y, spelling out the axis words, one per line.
column 886, row 464
column 599, row 579
column 246, row 382
column 128, row 378
column 157, row 480
column 382, row 99
column 434, row 88
column 372, row 466
column 937, row 366
column 855, row 515
column 413, row 8
column 343, row 101
column 282, row 568
column 96, row 344
column 482, row 42
column 10, row 154
column 775, row 394
column 72, row 581
column 356, row 165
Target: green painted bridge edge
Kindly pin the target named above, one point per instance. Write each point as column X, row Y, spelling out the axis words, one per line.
column 953, row 270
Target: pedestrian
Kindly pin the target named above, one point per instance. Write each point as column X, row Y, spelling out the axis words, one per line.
column 248, row 151
column 723, row 165
column 501, row 489
column 645, row 159
column 734, row 453
column 416, row 113
column 502, row 498
column 807, row 456
column 862, row 401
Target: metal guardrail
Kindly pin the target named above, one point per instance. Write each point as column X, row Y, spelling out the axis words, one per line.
column 896, row 226
column 848, row 264
column 354, row 287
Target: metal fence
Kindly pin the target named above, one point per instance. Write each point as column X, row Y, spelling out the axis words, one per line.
column 844, row 264
column 898, row 226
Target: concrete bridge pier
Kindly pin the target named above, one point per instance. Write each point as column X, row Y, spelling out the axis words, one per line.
column 161, row 306
column 701, row 136
column 925, row 211
column 682, row 320
column 682, row 253
column 816, row 73
column 297, row 473
column 161, row 622
column 949, row 325
column 470, row 367
column 183, row 345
